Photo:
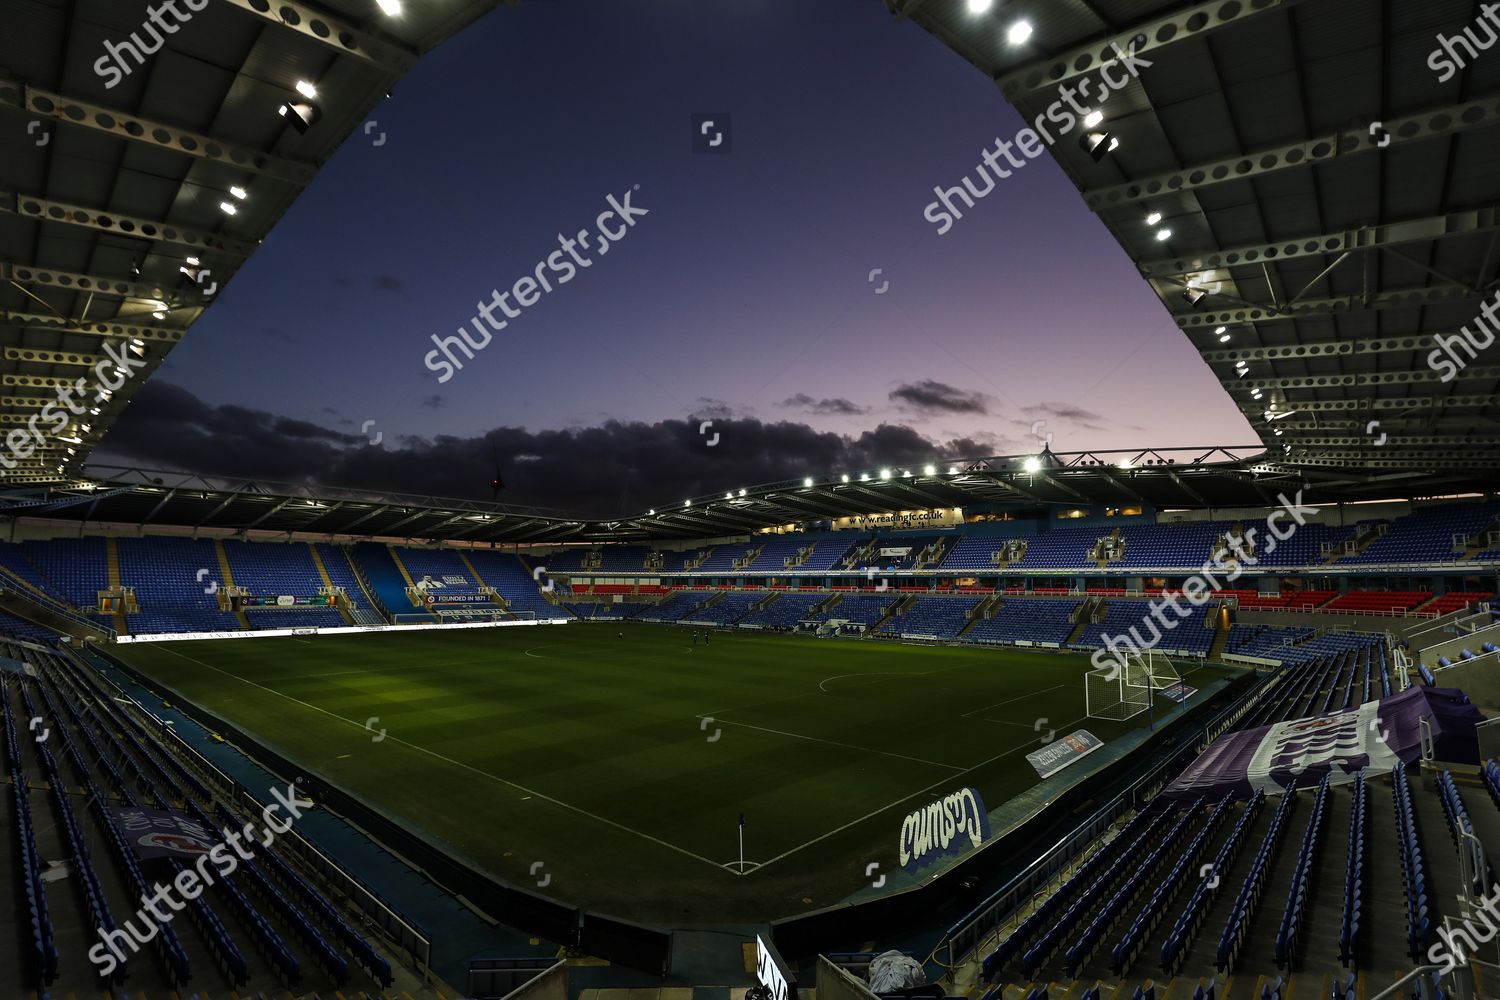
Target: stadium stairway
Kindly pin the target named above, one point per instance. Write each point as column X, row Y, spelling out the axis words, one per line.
column 463, row 557
column 383, row 571
column 317, row 560
column 112, row 561
column 228, row 576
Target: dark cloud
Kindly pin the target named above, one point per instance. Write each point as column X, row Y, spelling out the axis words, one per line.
column 601, row 471
column 839, row 407
column 434, row 402
column 388, row 283
column 928, row 396
column 1069, row 413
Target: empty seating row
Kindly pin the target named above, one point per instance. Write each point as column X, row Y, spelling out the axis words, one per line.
column 1296, row 902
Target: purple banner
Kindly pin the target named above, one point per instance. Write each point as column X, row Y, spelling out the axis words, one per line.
column 152, row 833
column 1372, row 737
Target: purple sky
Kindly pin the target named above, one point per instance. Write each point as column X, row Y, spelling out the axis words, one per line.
column 745, row 290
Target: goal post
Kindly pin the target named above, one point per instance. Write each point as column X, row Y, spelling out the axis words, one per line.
column 1123, row 690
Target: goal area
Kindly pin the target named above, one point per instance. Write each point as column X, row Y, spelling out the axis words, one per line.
column 1123, row 690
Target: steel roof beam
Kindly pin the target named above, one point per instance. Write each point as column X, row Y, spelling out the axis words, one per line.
column 1469, row 374
column 155, row 134
column 1186, row 24
column 1435, row 227
column 118, row 224
column 1381, row 301
column 1431, row 124
column 73, row 281
column 337, row 34
column 1323, row 349
column 108, row 328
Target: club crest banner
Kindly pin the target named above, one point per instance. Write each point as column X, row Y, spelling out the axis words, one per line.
column 1372, row 737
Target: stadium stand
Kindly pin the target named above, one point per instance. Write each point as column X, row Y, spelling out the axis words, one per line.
column 175, row 581
column 931, row 618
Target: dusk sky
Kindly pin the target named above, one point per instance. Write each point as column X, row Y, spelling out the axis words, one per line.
column 743, row 293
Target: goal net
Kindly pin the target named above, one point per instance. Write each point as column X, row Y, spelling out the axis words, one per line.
column 1123, row 691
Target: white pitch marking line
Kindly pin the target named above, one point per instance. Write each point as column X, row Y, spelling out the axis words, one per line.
column 920, row 791
column 1019, row 697
column 457, row 763
column 832, row 743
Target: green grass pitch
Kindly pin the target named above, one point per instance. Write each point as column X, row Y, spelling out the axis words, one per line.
column 589, row 752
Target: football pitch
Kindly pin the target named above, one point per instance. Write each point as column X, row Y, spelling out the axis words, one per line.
column 623, row 762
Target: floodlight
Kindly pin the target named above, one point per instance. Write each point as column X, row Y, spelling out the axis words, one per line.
column 239, row 193
column 980, row 6
column 228, row 208
column 807, row 482
column 1153, row 218
column 1018, row 33
column 885, row 473
column 1162, row 235
column 1194, row 296
column 1091, row 120
column 306, row 89
column 929, row 470
column 1032, row 464
column 391, row 8
column 302, row 115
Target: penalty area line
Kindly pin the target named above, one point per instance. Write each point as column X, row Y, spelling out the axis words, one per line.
column 458, row 763
column 904, row 798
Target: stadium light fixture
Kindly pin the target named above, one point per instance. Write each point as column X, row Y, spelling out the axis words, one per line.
column 729, row 495
column 301, row 115
column 1092, row 120
column 885, row 473
column 952, row 470
column 391, row 8
column 228, row 208
column 1018, row 33
column 1162, row 235
column 1099, row 144
column 864, row 477
column 977, row 7
column 742, row 492
column 240, row 194
column 1153, row 218
column 929, row 470
column 1194, row 296
column 1032, row 464
column 651, row 512
column 1223, row 333
column 846, row 477
column 192, row 261
column 807, row 482
column 687, row 503
column 306, row 89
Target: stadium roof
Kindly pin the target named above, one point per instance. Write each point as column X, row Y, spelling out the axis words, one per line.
column 1329, row 200
column 1023, row 484
column 115, row 169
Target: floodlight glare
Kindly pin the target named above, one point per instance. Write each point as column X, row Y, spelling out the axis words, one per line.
column 1032, row 464
column 1018, row 33
column 306, row 89
column 885, row 473
column 929, row 470
column 1153, row 218
column 1162, row 235
column 228, row 209
column 980, row 6
column 239, row 192
column 391, row 8
column 807, row 482
column 1092, row 119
